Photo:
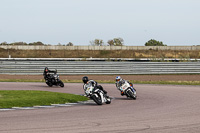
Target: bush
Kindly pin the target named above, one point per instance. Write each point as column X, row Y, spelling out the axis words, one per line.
column 153, row 42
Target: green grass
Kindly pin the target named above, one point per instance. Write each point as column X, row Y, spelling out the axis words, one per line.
column 29, row 98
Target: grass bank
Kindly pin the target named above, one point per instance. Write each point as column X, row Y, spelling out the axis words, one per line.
column 183, row 54
column 29, row 98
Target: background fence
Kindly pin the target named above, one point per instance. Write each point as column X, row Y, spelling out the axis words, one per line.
column 34, row 67
column 56, row 47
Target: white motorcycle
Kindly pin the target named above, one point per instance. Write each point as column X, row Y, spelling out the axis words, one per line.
column 96, row 94
column 128, row 90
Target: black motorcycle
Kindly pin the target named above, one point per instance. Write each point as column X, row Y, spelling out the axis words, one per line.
column 53, row 79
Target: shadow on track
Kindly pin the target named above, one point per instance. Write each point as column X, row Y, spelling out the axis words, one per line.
column 45, row 86
column 123, row 98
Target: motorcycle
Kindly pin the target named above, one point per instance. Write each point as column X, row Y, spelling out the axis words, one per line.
column 53, row 79
column 96, row 94
column 128, row 90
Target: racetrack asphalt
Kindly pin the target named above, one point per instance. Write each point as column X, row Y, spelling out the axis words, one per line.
column 158, row 109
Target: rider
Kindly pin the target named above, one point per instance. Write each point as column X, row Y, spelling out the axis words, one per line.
column 94, row 83
column 120, row 82
column 47, row 72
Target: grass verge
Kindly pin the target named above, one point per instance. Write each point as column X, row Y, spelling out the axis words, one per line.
column 111, row 81
column 159, row 82
column 20, row 80
column 29, row 98
column 143, row 82
column 168, row 82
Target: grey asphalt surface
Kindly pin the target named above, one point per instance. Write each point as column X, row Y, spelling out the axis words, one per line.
column 158, row 109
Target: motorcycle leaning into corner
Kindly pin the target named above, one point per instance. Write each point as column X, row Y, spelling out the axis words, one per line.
column 53, row 79
column 96, row 94
column 128, row 90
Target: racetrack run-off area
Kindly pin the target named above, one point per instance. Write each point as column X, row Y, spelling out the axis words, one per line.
column 158, row 109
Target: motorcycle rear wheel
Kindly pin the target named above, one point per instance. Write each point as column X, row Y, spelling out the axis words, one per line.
column 49, row 84
column 108, row 101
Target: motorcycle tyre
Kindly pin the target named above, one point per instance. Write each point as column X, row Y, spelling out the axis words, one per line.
column 49, row 84
column 61, row 84
column 108, row 101
column 131, row 95
column 97, row 100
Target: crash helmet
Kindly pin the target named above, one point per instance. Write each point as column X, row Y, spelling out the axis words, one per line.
column 46, row 69
column 85, row 79
column 118, row 78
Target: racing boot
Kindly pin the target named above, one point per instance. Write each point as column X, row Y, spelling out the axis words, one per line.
column 105, row 94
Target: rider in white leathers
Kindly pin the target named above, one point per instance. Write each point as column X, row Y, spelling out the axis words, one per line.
column 94, row 83
column 120, row 82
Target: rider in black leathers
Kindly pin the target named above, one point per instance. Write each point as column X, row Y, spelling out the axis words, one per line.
column 47, row 72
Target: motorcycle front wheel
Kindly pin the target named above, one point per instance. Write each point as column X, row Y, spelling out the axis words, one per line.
column 97, row 99
column 61, row 84
column 130, row 93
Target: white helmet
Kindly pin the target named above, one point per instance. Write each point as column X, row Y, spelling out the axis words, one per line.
column 118, row 78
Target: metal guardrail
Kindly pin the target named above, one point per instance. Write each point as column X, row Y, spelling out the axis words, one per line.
column 35, row 67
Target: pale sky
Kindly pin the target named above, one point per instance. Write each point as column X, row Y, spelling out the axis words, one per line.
column 174, row 22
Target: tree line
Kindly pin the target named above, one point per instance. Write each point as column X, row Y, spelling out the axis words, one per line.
column 97, row 42
column 120, row 42
column 34, row 44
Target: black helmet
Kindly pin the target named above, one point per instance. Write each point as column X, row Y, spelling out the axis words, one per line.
column 46, row 69
column 85, row 79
